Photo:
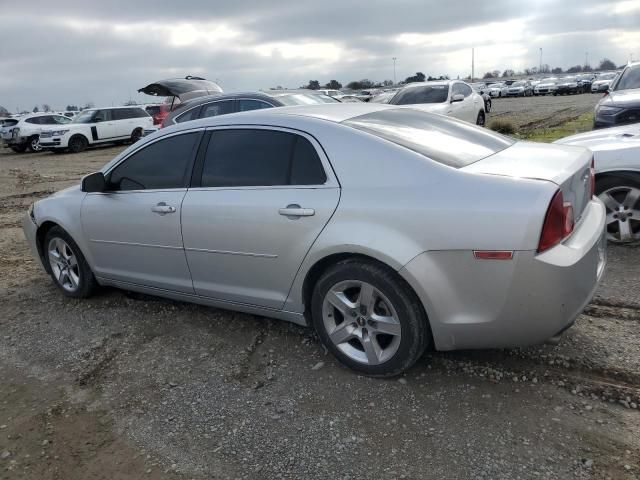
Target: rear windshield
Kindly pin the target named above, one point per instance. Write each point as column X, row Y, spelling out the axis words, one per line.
column 426, row 94
column 445, row 140
column 153, row 110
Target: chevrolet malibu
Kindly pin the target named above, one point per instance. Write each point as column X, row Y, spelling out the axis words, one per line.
column 387, row 229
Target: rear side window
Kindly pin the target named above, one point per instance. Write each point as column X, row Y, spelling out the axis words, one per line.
column 34, row 120
column 260, row 158
column 216, row 108
column 163, row 164
column 188, row 115
column 445, row 140
column 246, row 105
column 120, row 114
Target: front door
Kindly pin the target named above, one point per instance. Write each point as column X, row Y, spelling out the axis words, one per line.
column 134, row 227
column 104, row 125
column 264, row 197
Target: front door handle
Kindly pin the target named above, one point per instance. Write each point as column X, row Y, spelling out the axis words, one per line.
column 162, row 208
column 295, row 210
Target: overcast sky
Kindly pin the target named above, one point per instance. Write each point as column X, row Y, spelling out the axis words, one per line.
column 73, row 52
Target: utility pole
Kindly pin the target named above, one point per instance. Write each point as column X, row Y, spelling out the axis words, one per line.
column 472, row 63
column 394, row 70
column 586, row 59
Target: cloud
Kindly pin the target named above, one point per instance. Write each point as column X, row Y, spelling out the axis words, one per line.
column 73, row 52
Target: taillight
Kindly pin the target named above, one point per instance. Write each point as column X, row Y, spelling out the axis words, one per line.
column 592, row 179
column 558, row 223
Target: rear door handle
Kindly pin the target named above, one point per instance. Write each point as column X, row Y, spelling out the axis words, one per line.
column 295, row 210
column 162, row 208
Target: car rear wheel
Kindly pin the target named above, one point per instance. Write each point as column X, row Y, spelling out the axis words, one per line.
column 78, row 143
column 66, row 264
column 621, row 196
column 34, row 144
column 136, row 135
column 480, row 119
column 369, row 318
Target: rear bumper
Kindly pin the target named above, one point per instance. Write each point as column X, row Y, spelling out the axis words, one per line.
column 509, row 303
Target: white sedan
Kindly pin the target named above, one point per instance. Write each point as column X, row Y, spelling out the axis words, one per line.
column 616, row 153
column 450, row 97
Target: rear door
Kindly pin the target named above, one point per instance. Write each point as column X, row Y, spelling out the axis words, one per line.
column 261, row 198
column 134, row 227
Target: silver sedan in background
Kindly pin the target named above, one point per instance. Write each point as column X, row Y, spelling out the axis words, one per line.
column 387, row 229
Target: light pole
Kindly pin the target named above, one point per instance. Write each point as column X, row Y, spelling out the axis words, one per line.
column 394, row 70
column 586, row 59
column 540, row 67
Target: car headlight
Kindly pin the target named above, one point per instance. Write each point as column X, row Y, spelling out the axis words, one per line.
column 59, row 132
column 31, row 214
column 604, row 110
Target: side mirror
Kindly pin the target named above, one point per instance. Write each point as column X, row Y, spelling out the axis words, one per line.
column 458, row 97
column 94, row 182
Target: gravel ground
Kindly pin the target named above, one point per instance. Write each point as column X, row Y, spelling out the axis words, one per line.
column 530, row 113
column 129, row 386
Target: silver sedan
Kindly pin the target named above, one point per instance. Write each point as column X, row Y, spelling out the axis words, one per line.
column 388, row 230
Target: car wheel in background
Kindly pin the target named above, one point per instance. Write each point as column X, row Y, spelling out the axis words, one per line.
column 487, row 106
column 78, row 143
column 369, row 318
column 621, row 196
column 480, row 119
column 136, row 135
column 33, row 144
column 66, row 264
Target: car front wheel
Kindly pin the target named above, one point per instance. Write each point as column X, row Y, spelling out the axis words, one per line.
column 480, row 119
column 369, row 318
column 78, row 143
column 34, row 144
column 66, row 264
column 621, row 196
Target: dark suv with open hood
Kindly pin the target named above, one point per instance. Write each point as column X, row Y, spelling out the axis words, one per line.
column 621, row 105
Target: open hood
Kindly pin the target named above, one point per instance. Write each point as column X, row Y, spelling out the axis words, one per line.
column 183, row 88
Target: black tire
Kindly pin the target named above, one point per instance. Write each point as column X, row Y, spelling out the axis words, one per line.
column 415, row 333
column 78, row 143
column 19, row 148
column 33, row 144
column 136, row 135
column 621, row 181
column 480, row 119
column 87, row 283
column 487, row 105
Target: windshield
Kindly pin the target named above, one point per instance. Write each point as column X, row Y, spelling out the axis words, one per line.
column 549, row 80
column 304, row 99
column 569, row 79
column 84, row 117
column 518, row 84
column 451, row 142
column 630, row 78
column 607, row 76
column 421, row 94
column 495, row 85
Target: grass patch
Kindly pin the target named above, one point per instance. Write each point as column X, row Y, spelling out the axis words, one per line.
column 583, row 123
column 502, row 125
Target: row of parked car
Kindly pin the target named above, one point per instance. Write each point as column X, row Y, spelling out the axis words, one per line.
column 567, row 85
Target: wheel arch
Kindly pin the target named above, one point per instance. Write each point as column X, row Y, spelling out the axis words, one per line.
column 629, row 174
column 321, row 265
column 41, row 234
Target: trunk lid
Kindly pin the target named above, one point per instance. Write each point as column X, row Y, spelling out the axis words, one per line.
column 566, row 166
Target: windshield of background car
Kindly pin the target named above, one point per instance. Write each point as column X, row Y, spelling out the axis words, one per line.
column 569, row 80
column 84, row 117
column 304, row 99
column 630, row 78
column 517, row 84
column 549, row 80
column 607, row 76
column 422, row 94
column 448, row 141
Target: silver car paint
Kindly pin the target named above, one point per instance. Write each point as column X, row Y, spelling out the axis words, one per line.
column 614, row 149
column 421, row 218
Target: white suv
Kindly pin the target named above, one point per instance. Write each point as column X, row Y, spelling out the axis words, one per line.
column 97, row 126
column 25, row 134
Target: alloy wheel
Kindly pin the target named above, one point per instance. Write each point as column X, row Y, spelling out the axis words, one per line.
column 623, row 213
column 64, row 264
column 361, row 322
column 34, row 145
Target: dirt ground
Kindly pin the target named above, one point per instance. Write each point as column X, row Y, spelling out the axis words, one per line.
column 530, row 113
column 125, row 386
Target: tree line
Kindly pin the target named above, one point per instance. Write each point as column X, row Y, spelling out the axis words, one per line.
column 365, row 83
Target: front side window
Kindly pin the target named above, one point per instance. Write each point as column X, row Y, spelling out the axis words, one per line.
column 161, row 165
column 217, row 108
column 85, row 117
column 247, row 157
column 102, row 116
column 34, row 120
column 461, row 89
column 421, row 94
